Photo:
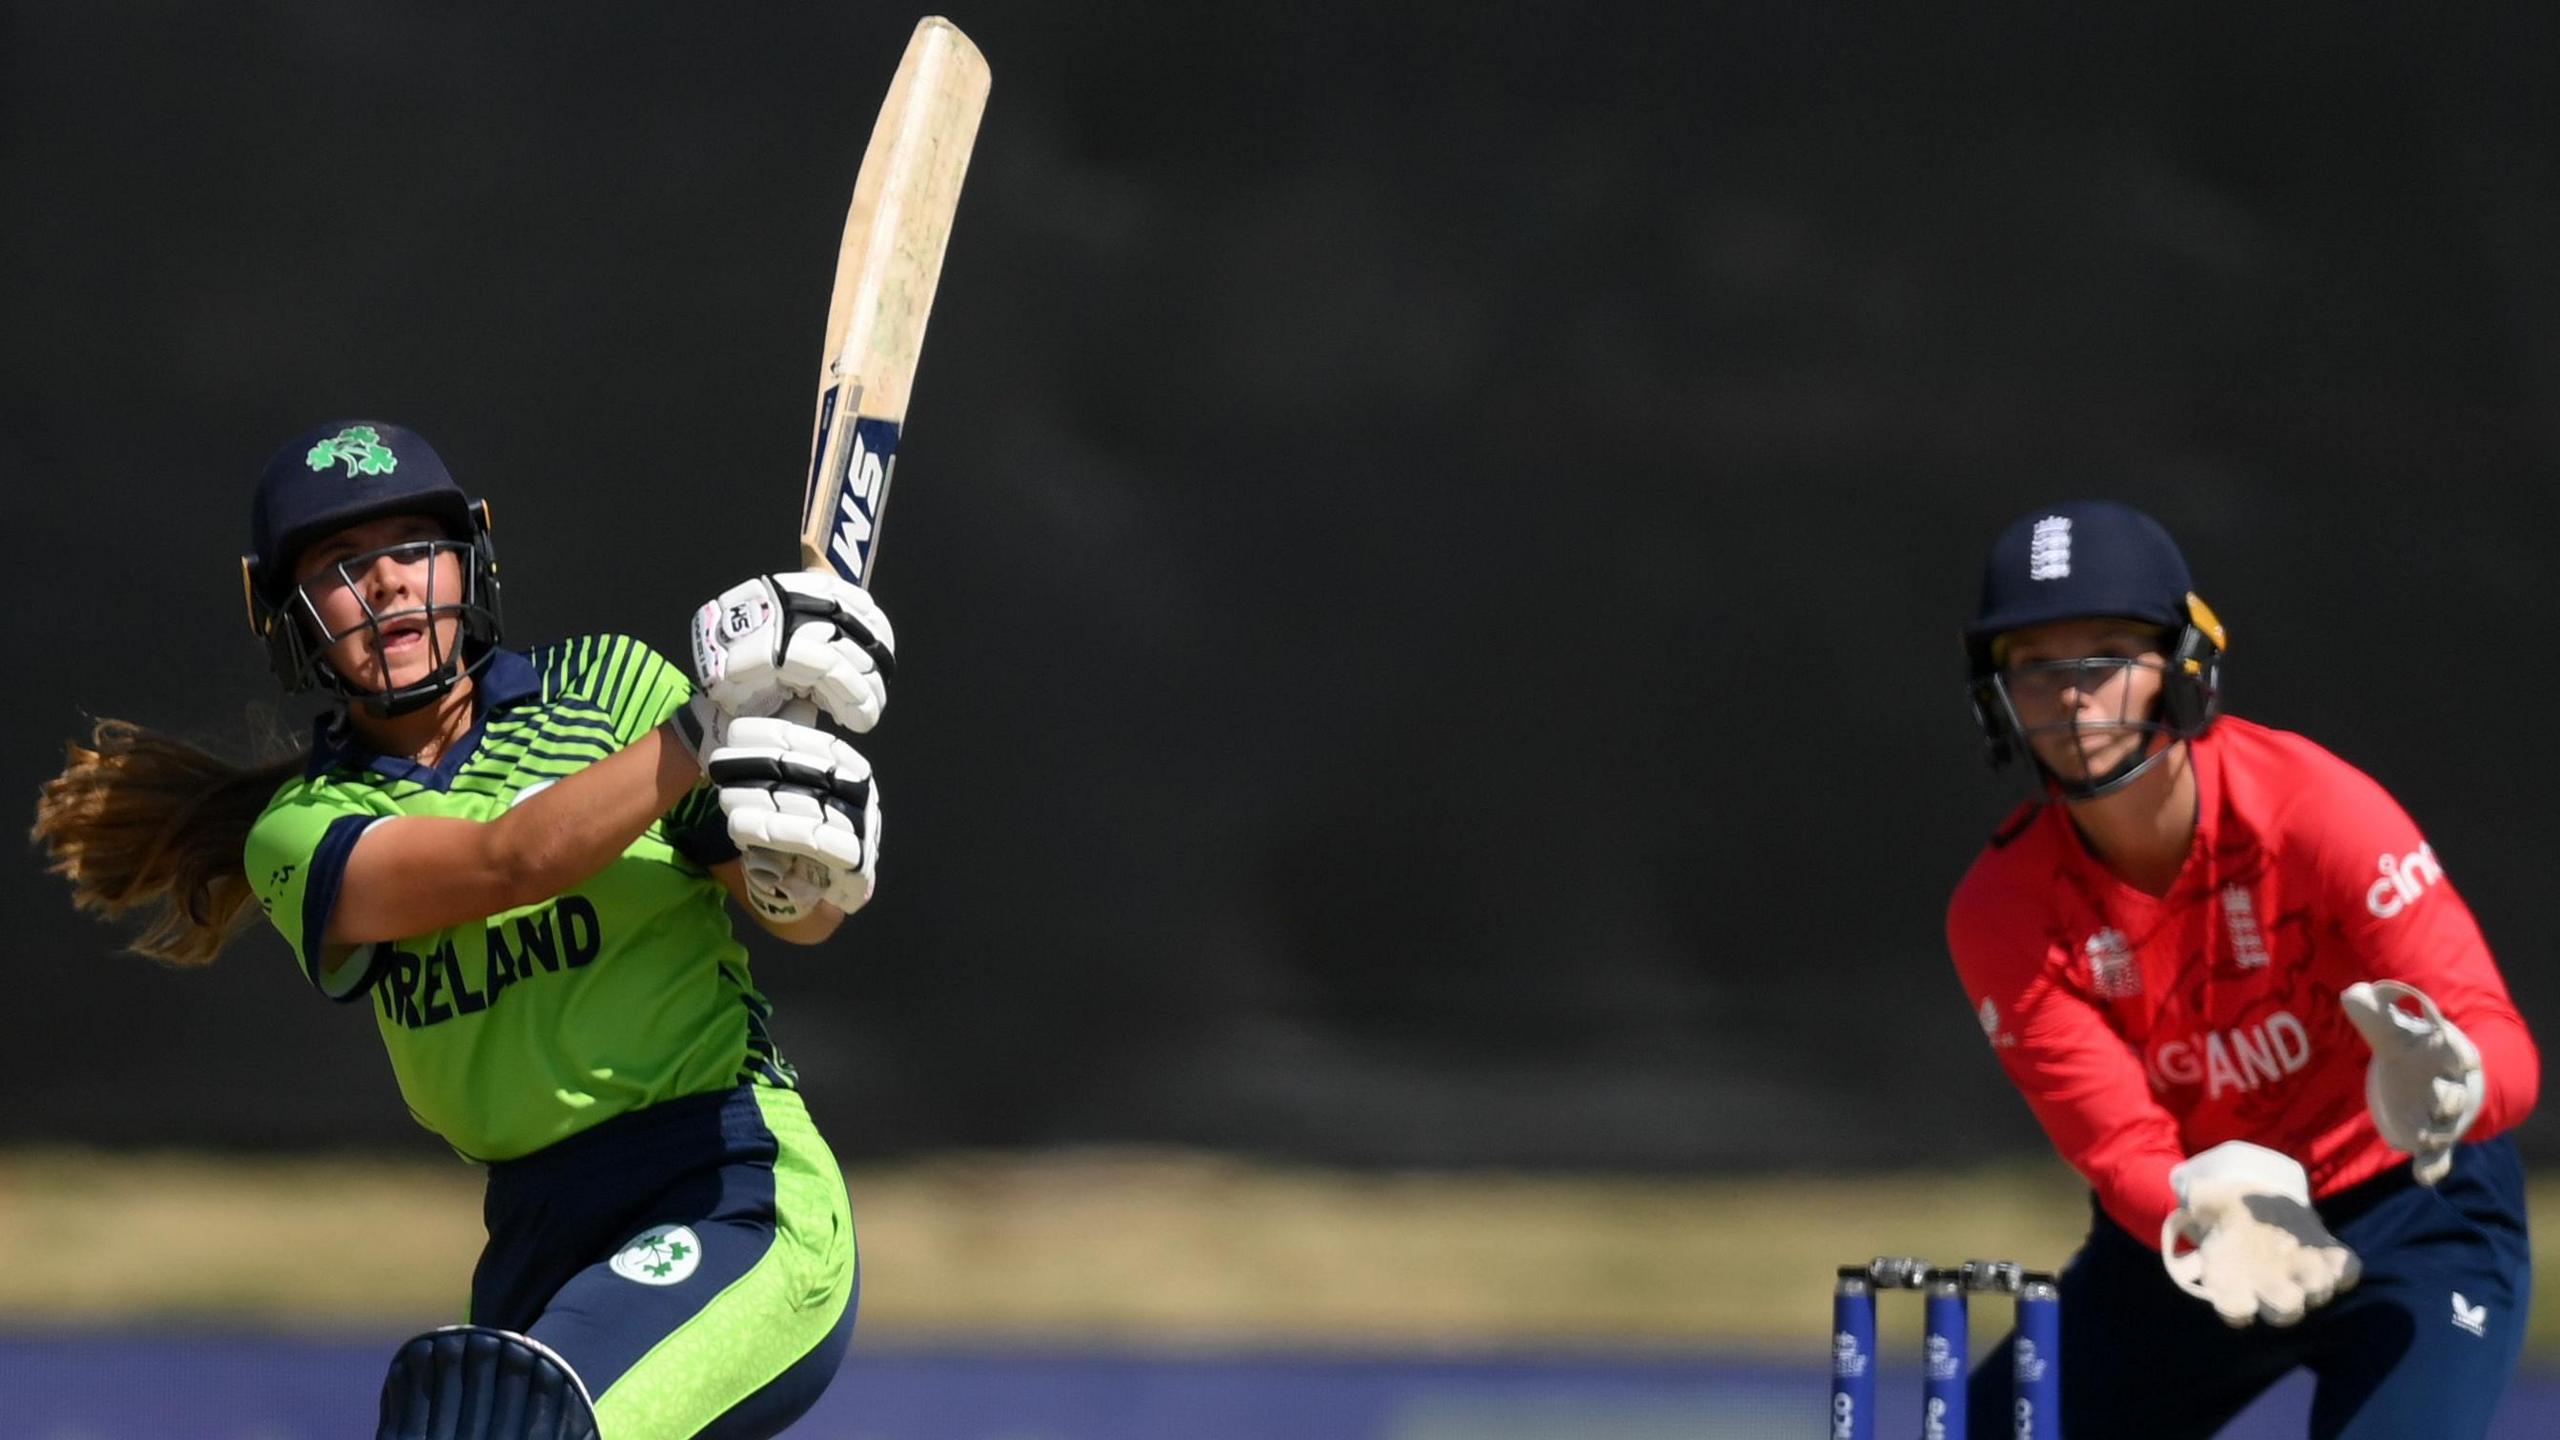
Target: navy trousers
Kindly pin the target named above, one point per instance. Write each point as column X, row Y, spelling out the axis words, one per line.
column 693, row 1261
column 2422, row 1347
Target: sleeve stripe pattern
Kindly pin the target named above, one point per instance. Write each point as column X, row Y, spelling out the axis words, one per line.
column 569, row 732
column 608, row 691
column 631, row 687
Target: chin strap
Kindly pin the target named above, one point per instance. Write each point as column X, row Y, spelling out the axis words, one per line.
column 2116, row 779
column 418, row 695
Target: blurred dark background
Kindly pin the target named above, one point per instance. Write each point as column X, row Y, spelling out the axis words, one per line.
column 1430, row 539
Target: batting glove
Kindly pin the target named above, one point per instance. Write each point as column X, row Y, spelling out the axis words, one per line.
column 2259, row 1251
column 783, row 887
column 2424, row 1084
column 807, row 635
column 803, row 809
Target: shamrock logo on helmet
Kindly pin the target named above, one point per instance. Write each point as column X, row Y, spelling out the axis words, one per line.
column 360, row 446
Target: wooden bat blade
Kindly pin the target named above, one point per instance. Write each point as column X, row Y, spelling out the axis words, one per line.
column 886, row 270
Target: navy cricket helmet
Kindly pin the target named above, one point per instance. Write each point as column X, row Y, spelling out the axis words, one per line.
column 2094, row 560
column 343, row 473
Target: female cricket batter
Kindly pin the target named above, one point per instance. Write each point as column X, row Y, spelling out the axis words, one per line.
column 513, row 859
column 2234, row 984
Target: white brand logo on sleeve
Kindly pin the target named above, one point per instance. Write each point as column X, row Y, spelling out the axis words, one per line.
column 2405, row 880
column 2466, row 1316
column 659, row 1255
column 2240, row 917
column 1989, row 1015
column 2049, row 552
column 2112, row 972
column 2238, row 1059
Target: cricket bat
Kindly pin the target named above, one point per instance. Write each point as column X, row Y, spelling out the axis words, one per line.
column 886, row 269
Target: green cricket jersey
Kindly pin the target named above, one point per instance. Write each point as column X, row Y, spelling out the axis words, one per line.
column 515, row 1032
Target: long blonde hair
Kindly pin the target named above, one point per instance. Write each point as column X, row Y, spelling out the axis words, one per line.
column 139, row 820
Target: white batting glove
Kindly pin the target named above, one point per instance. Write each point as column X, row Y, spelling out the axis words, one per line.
column 2260, row 1250
column 2424, row 1084
column 802, row 806
column 782, row 887
column 804, row 635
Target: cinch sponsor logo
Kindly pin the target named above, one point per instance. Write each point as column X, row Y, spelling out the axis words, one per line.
column 1844, row 1418
column 2242, row 1059
column 1933, row 1424
column 2022, row 1423
column 866, row 480
column 417, row 991
column 2405, row 881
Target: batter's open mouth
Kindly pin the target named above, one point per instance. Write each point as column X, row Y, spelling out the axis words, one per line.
column 406, row 633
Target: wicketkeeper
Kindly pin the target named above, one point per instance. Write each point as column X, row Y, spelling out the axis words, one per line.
column 2236, row 985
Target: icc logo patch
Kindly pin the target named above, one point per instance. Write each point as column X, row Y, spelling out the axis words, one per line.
column 659, row 1255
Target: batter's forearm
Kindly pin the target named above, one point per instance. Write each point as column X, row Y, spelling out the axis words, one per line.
column 569, row 831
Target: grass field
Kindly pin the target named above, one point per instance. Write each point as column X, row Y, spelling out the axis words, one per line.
column 1088, row 1247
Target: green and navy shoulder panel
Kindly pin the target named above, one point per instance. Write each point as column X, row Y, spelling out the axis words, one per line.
column 632, row 690
column 509, row 1032
column 544, row 715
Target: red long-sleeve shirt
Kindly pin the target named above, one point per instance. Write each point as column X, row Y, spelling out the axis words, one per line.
column 2142, row 1029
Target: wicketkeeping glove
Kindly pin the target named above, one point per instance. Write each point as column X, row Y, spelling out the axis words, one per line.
column 805, row 635
column 803, row 809
column 2424, row 1084
column 2260, row 1251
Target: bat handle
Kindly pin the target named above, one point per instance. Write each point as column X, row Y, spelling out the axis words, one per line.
column 799, row 712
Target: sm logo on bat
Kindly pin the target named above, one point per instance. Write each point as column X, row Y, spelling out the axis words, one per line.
column 861, row 488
